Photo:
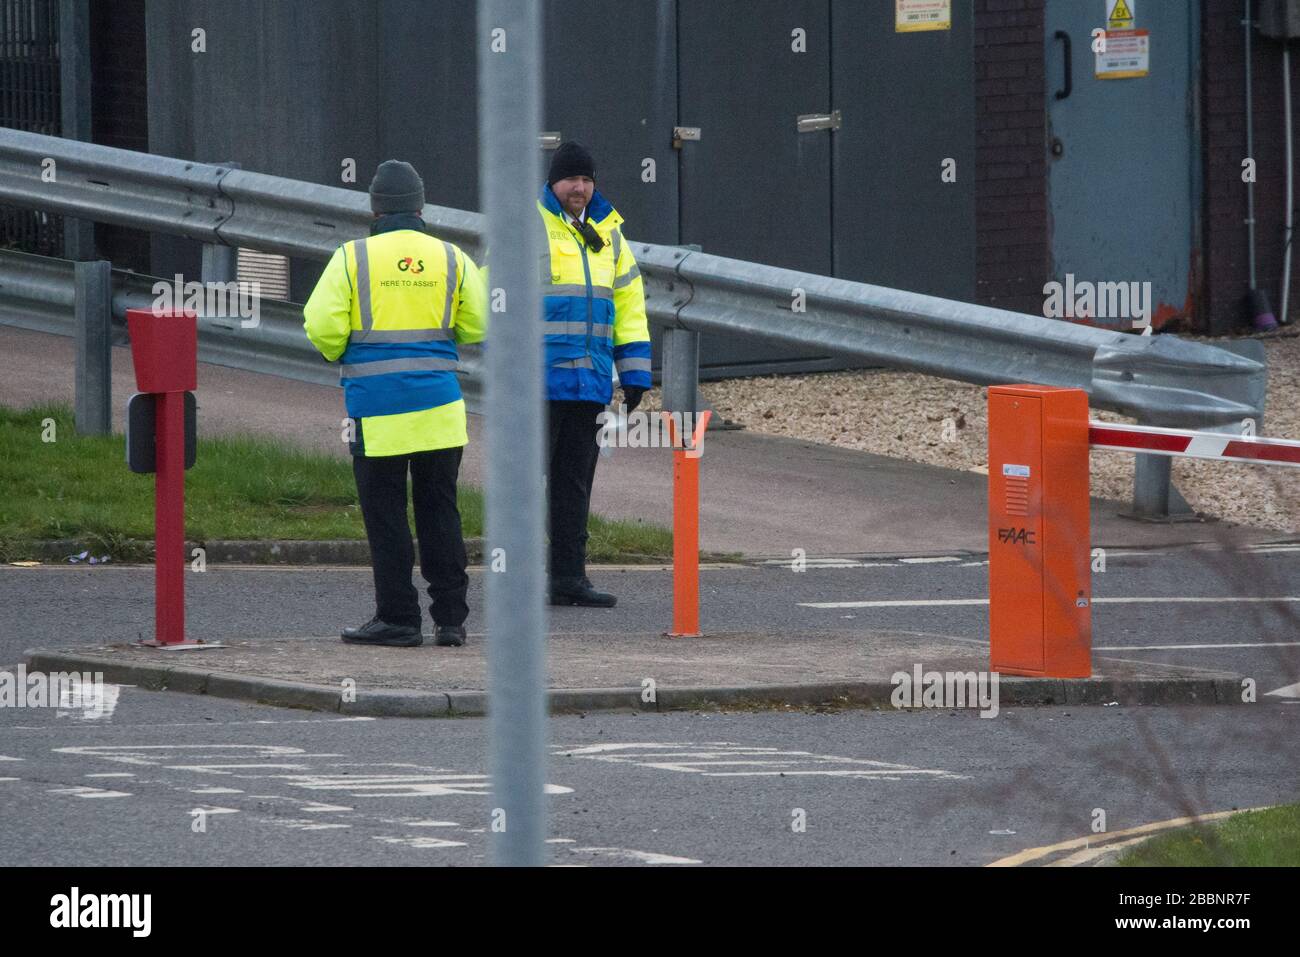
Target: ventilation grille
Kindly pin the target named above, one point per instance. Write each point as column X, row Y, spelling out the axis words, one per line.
column 1017, row 495
column 268, row 270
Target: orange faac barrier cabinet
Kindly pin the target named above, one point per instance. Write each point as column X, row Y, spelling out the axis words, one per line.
column 1040, row 592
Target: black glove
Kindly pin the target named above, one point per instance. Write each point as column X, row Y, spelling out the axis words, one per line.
column 632, row 396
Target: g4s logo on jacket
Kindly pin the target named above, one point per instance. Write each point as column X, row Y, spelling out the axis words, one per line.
column 413, row 266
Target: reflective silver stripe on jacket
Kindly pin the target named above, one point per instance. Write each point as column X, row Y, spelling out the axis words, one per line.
column 617, row 238
column 626, row 279
column 401, row 335
column 451, row 284
column 575, row 289
column 632, row 365
column 355, row 370
column 554, row 328
column 363, row 284
column 583, row 363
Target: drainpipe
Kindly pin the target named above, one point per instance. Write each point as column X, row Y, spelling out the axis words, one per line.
column 1283, row 316
column 1260, row 310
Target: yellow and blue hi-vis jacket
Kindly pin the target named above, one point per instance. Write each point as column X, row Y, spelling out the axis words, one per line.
column 593, row 306
column 391, row 309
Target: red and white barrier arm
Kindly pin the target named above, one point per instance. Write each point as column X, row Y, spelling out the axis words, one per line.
column 1200, row 445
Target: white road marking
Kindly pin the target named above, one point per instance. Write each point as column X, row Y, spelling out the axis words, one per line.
column 1290, row 691
column 7, row 758
column 102, row 705
column 947, row 602
column 420, row 842
column 10, row 779
column 415, row 822
column 88, row 792
column 111, row 774
column 302, row 824
column 762, row 762
column 895, row 603
column 1241, row 644
column 306, row 806
column 215, row 791
column 645, row 857
column 197, row 724
column 929, row 561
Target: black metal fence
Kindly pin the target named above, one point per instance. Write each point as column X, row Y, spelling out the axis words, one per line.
column 29, row 100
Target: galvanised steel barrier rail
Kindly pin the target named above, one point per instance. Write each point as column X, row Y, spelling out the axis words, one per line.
column 1160, row 380
column 36, row 292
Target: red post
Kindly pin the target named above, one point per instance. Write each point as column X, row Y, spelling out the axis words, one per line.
column 686, row 531
column 164, row 350
column 169, row 521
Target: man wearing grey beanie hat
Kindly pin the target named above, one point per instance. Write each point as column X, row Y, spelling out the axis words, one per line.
column 391, row 308
column 396, row 188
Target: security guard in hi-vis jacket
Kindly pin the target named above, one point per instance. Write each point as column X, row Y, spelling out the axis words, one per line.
column 594, row 311
column 391, row 310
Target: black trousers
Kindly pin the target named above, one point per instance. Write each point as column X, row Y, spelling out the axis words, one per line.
column 573, row 453
column 381, row 486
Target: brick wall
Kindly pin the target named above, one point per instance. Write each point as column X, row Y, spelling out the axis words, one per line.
column 1224, row 144
column 1012, row 249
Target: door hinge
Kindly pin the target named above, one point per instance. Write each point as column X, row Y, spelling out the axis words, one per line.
column 551, row 141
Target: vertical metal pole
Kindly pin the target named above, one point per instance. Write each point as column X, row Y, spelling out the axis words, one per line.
column 94, row 362
column 510, row 85
column 1151, row 478
column 74, row 97
column 681, row 370
column 1247, row 25
column 169, row 520
column 681, row 378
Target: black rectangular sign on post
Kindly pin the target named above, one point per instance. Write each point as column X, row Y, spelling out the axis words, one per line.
column 141, row 431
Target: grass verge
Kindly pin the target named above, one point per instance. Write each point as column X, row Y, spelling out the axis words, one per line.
column 1268, row 838
column 60, row 485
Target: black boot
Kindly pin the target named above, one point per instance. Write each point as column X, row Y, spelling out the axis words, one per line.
column 579, row 591
column 449, row 636
column 376, row 632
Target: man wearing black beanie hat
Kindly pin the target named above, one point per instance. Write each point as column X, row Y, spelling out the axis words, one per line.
column 594, row 310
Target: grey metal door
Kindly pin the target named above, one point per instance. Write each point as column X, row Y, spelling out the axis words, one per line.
column 622, row 111
column 1121, row 154
column 752, row 186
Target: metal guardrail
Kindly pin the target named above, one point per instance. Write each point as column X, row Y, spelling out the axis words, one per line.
column 36, row 292
column 1160, row 380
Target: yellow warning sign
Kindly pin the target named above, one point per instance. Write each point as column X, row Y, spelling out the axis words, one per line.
column 914, row 15
column 1119, row 14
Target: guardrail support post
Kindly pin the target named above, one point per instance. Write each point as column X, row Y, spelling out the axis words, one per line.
column 1154, row 496
column 75, row 87
column 681, row 371
column 94, row 361
column 220, row 262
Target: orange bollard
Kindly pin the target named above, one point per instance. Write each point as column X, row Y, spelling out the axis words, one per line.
column 686, row 531
column 1040, row 587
